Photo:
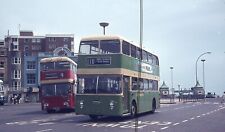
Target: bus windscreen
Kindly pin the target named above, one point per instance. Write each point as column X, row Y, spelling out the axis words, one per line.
column 99, row 85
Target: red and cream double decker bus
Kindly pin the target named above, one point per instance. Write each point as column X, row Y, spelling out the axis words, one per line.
column 57, row 83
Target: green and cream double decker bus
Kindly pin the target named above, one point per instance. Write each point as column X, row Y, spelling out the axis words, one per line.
column 115, row 78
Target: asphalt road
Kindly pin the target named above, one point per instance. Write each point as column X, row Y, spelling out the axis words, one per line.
column 203, row 116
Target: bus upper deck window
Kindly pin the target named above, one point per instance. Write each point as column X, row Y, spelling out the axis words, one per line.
column 89, row 47
column 126, row 48
column 109, row 46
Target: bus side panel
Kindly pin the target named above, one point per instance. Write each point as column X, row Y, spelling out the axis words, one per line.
column 109, row 105
column 144, row 100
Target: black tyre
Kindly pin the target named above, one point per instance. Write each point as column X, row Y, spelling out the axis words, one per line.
column 153, row 106
column 133, row 110
column 93, row 117
column 50, row 111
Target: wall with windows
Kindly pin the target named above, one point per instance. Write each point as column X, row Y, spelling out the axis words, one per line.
column 3, row 62
column 18, row 57
column 30, row 72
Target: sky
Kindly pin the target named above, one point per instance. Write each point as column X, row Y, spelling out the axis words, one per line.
column 177, row 31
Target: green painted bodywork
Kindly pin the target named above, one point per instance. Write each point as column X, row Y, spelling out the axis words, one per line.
column 99, row 104
column 117, row 61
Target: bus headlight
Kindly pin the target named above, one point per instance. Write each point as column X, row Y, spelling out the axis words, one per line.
column 111, row 105
column 46, row 105
column 81, row 104
column 66, row 104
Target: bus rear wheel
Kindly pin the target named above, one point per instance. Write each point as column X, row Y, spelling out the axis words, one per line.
column 133, row 110
column 93, row 117
column 153, row 106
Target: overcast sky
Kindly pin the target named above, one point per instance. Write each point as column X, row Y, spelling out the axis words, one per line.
column 178, row 31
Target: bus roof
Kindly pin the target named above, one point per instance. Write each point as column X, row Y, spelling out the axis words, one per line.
column 105, row 37
column 110, row 37
column 57, row 59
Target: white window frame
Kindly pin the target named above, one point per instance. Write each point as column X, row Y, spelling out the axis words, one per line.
column 16, row 60
column 16, row 85
column 16, row 74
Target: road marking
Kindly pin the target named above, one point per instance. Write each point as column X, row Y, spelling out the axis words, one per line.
column 203, row 114
column 44, row 130
column 176, row 124
column 184, row 120
column 47, row 123
column 164, row 128
column 192, row 118
column 11, row 123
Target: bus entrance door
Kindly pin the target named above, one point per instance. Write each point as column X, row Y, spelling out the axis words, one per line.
column 126, row 85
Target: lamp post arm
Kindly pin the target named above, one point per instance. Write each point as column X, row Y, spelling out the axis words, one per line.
column 196, row 67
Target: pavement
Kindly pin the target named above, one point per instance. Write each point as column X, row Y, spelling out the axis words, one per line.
column 177, row 101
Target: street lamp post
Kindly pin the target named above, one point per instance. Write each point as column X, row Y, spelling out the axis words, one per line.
column 196, row 63
column 172, row 90
column 203, row 73
column 104, row 24
column 179, row 91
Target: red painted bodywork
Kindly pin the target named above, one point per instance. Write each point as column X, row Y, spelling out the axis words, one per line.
column 57, row 102
column 57, row 74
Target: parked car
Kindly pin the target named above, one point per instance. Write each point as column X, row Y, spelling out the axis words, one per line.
column 210, row 95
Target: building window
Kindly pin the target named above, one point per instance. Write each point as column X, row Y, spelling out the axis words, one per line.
column 14, row 39
column 52, row 39
column 65, row 39
column 15, row 46
column 2, row 43
column 38, row 40
column 16, row 60
column 16, row 74
column 33, row 40
column 65, row 46
column 26, row 40
column 51, row 46
column 36, row 47
column 31, row 78
column 1, row 76
column 2, row 53
column 16, row 85
column 31, row 65
column 2, row 63
column 26, row 48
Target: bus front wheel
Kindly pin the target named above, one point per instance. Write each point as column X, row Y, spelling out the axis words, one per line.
column 50, row 111
column 133, row 109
